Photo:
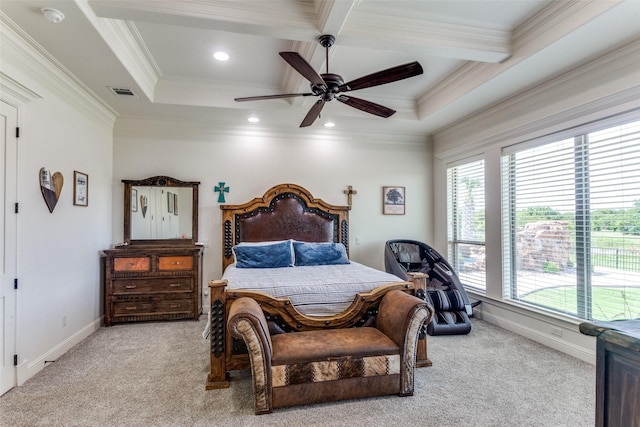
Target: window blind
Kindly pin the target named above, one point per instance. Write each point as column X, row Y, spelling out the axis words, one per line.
column 571, row 218
column 466, row 222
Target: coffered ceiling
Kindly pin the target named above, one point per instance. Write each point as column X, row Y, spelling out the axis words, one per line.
column 474, row 53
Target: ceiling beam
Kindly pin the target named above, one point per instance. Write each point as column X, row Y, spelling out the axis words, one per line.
column 542, row 30
column 305, row 21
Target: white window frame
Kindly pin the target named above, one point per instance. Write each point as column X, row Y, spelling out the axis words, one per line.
column 454, row 239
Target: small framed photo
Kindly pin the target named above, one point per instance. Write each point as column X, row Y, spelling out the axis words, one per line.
column 175, row 203
column 80, row 189
column 134, row 200
column 393, row 200
column 169, row 202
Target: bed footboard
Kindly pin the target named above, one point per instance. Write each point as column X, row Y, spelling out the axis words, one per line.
column 227, row 354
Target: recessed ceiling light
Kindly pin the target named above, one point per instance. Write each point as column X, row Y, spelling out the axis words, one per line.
column 221, row 56
column 329, row 124
column 253, row 119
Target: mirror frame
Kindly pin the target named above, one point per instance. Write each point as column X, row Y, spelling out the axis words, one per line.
column 160, row 181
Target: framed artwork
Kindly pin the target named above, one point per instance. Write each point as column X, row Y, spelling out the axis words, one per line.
column 169, row 202
column 134, row 200
column 175, row 203
column 393, row 200
column 80, row 189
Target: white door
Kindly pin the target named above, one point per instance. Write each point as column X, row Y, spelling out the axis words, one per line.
column 8, row 243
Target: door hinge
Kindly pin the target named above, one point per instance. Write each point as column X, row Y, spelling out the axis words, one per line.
column 15, row 360
column 17, row 132
column 15, row 283
column 16, row 207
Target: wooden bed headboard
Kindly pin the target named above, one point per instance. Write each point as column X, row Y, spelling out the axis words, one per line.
column 286, row 211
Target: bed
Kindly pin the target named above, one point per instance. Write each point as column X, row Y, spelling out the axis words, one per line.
column 295, row 293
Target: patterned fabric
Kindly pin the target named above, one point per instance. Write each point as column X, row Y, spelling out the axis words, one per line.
column 330, row 370
column 410, row 348
column 258, row 369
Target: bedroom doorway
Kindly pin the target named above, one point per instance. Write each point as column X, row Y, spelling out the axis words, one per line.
column 8, row 244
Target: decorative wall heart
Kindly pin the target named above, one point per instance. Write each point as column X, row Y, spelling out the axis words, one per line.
column 51, row 187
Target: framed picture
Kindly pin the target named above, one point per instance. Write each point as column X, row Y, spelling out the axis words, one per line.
column 134, row 200
column 393, row 200
column 175, row 203
column 80, row 189
column 169, row 202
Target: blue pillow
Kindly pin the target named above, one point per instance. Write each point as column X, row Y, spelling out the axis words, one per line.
column 264, row 256
column 307, row 254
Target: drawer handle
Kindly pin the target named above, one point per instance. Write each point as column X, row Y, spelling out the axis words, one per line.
column 175, row 285
column 174, row 305
column 131, row 308
column 131, row 286
column 176, row 263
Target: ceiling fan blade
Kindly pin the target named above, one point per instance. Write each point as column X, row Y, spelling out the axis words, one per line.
column 366, row 106
column 383, row 77
column 302, row 66
column 313, row 114
column 284, row 95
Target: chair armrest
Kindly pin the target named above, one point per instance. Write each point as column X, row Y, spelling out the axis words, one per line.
column 249, row 310
column 402, row 317
column 397, row 311
column 247, row 321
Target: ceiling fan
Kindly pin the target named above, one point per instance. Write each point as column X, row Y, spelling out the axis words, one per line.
column 330, row 86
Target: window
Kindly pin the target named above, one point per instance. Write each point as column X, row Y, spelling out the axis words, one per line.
column 465, row 219
column 571, row 218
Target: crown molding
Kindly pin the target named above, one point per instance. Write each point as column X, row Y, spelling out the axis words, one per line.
column 555, row 21
column 31, row 57
column 608, row 85
column 558, row 19
column 127, row 44
column 181, row 129
column 15, row 90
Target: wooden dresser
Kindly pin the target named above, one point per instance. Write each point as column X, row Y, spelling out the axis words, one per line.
column 617, row 372
column 152, row 283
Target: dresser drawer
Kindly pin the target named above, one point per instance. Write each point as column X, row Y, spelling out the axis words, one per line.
column 168, row 263
column 151, row 306
column 148, row 286
column 142, row 263
column 151, row 283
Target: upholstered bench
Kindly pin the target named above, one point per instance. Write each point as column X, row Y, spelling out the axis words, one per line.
column 315, row 366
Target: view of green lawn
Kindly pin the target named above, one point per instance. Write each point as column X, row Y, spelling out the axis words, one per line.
column 612, row 303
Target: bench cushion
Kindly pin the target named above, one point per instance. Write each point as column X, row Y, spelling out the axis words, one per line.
column 333, row 354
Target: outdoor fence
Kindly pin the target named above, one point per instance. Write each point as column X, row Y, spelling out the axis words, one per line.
column 620, row 259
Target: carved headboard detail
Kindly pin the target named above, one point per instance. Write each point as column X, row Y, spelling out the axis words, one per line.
column 286, row 211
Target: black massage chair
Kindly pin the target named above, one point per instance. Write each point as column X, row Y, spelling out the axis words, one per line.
column 444, row 290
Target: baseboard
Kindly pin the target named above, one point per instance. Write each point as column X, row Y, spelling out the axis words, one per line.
column 530, row 325
column 27, row 369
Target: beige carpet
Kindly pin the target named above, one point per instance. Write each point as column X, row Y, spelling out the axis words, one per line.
column 153, row 374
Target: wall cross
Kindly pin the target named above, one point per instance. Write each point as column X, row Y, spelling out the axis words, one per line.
column 349, row 192
column 220, row 188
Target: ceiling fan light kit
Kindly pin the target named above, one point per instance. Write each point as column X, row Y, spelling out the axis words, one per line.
column 329, row 86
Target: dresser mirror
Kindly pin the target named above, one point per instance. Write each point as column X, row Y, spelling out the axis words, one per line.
column 160, row 211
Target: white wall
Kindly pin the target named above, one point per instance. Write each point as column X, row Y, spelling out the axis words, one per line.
column 607, row 86
column 62, row 129
column 250, row 161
